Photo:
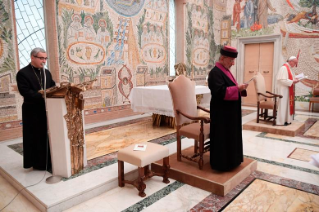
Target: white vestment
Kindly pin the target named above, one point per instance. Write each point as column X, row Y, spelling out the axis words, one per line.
column 283, row 84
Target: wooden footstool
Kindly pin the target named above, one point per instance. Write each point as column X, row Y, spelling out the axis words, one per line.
column 142, row 159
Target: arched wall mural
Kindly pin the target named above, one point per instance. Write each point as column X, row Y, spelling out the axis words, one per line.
column 200, row 48
column 10, row 102
column 111, row 41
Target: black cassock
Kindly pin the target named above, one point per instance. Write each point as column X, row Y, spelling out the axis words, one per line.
column 35, row 141
column 226, row 148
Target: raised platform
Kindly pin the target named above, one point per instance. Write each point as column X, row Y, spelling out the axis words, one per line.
column 290, row 130
column 65, row 194
column 219, row 183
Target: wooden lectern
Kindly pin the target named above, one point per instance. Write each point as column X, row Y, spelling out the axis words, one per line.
column 65, row 106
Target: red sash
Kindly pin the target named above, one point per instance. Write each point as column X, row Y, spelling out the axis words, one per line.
column 291, row 91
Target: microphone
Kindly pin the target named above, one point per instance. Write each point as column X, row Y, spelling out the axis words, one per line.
column 45, row 82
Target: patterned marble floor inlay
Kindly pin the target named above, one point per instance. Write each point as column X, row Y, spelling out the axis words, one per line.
column 313, row 130
column 265, row 196
column 302, row 154
column 108, row 141
column 154, row 197
column 309, row 123
column 285, row 139
column 117, row 124
column 284, row 165
column 218, row 203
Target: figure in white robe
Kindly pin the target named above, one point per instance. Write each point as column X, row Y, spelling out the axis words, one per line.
column 196, row 38
column 89, row 32
column 284, row 116
column 151, row 34
column 103, row 35
column 75, row 29
column 159, row 36
column 198, row 12
column 144, row 37
column 206, row 42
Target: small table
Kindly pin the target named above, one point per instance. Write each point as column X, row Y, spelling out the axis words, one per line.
column 158, row 100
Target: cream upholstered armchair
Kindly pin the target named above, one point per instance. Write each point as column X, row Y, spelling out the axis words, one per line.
column 265, row 100
column 188, row 123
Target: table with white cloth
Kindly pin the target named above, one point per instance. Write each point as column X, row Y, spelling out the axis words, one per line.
column 158, row 100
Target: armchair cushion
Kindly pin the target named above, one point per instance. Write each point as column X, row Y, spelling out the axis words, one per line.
column 193, row 131
column 267, row 105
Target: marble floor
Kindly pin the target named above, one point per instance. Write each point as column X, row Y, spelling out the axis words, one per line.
column 284, row 180
column 107, row 141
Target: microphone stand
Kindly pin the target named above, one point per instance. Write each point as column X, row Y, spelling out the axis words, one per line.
column 52, row 179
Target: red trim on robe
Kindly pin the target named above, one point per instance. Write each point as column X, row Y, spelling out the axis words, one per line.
column 291, row 91
column 231, row 91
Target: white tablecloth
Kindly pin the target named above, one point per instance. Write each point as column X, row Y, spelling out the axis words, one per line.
column 157, row 99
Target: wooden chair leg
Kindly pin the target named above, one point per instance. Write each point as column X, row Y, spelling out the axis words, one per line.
column 141, row 184
column 195, row 146
column 266, row 114
column 201, row 153
column 257, row 113
column 309, row 106
column 179, row 147
column 166, row 168
column 312, row 106
column 121, row 173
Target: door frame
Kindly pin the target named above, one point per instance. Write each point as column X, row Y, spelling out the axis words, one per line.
column 277, row 62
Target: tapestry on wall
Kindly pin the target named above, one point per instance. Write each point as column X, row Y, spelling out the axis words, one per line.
column 200, row 45
column 122, row 44
column 298, row 24
column 8, row 103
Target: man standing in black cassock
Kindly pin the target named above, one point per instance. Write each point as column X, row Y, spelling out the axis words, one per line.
column 226, row 146
column 30, row 80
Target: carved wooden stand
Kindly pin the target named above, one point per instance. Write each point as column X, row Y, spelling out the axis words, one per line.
column 144, row 173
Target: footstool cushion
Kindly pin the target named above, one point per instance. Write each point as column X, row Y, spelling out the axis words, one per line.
column 153, row 152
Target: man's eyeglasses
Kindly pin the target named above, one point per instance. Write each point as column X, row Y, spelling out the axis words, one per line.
column 41, row 58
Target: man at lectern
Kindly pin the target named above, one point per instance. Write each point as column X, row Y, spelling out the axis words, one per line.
column 30, row 80
column 226, row 145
